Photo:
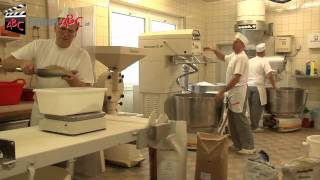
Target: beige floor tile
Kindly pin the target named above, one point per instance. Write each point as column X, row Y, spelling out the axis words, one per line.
column 281, row 147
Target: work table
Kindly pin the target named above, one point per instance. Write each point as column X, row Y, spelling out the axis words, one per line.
column 16, row 112
column 39, row 149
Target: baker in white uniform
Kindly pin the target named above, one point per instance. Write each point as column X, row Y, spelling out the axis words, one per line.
column 259, row 69
column 58, row 51
column 236, row 79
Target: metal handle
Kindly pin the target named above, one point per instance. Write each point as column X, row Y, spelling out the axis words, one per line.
column 8, row 164
column 20, row 81
column 304, row 103
column 7, row 149
column 14, row 122
column 19, row 69
column 305, row 100
column 195, row 69
column 135, row 133
column 304, row 143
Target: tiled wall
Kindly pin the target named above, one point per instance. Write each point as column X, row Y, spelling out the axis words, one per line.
column 193, row 10
column 299, row 23
column 221, row 17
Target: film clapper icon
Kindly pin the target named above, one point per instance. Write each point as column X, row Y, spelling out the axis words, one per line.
column 15, row 19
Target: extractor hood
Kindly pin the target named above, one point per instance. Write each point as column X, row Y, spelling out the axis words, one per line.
column 251, row 22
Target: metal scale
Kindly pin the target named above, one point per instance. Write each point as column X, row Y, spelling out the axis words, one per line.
column 71, row 111
column 74, row 124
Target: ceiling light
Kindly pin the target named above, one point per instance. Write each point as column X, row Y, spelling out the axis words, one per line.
column 279, row 10
column 310, row 4
column 280, row 1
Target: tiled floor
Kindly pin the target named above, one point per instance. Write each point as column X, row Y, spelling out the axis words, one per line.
column 281, row 147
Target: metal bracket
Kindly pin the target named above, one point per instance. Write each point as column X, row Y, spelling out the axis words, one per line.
column 7, row 153
column 142, row 139
column 189, row 59
column 159, row 131
column 184, row 59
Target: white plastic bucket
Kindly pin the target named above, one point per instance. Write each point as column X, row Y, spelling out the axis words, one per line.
column 69, row 101
column 313, row 142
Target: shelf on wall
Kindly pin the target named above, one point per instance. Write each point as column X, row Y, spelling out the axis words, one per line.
column 306, row 77
column 9, row 38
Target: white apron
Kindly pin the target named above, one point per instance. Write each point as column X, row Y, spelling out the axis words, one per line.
column 262, row 94
column 237, row 98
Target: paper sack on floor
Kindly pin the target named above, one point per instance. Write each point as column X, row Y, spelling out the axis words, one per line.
column 259, row 168
column 212, row 157
column 302, row 169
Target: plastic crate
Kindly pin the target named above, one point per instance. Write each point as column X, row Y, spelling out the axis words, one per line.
column 10, row 92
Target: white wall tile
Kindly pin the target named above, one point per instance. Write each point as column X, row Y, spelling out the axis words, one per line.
column 298, row 22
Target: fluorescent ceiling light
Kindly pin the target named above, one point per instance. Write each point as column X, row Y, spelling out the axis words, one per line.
column 292, row 7
column 133, row 1
column 278, row 9
column 310, row 4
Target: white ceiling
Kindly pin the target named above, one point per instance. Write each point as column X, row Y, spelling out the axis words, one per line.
column 211, row 0
column 292, row 5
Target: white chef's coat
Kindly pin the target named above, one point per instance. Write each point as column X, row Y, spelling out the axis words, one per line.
column 44, row 53
column 237, row 64
column 258, row 69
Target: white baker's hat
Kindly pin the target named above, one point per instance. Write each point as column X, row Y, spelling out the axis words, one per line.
column 242, row 38
column 261, row 47
column 67, row 11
